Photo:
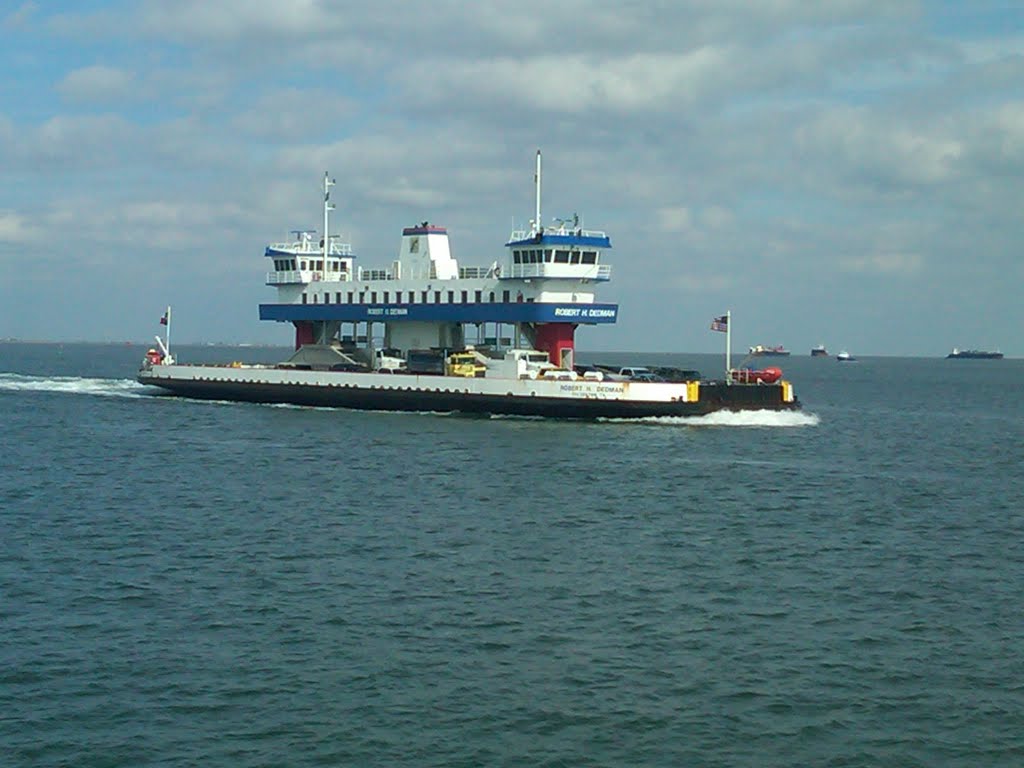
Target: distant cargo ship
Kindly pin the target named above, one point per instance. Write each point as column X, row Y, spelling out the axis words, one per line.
column 763, row 351
column 973, row 354
column 819, row 351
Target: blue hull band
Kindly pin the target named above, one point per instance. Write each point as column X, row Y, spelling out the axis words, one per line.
column 512, row 312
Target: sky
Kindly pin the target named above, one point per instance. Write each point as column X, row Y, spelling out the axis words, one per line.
column 847, row 172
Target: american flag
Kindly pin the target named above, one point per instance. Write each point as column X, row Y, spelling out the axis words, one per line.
column 166, row 317
column 720, row 324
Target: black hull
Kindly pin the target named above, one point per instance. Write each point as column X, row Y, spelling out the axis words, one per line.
column 976, row 356
column 713, row 397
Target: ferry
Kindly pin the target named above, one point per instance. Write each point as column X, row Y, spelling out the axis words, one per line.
column 426, row 333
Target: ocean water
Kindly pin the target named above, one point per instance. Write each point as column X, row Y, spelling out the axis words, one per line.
column 217, row 584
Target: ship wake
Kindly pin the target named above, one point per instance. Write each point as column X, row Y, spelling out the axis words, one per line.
column 75, row 385
column 733, row 419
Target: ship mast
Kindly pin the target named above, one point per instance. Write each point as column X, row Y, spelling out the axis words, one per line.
column 537, row 226
column 328, row 207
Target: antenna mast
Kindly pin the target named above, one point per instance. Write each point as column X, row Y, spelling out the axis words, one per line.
column 538, row 226
column 328, row 207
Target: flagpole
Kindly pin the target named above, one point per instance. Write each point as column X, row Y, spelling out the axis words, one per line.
column 728, row 346
column 168, row 342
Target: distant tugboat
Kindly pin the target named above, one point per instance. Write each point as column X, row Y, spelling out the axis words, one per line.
column 819, row 351
column 846, row 357
column 973, row 354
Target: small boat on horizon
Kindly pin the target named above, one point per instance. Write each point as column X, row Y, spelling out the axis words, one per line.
column 819, row 351
column 845, row 357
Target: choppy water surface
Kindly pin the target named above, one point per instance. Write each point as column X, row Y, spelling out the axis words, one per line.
column 216, row 584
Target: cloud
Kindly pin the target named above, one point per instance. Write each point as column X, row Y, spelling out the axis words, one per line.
column 19, row 17
column 886, row 263
column 69, row 143
column 880, row 150
column 97, row 84
column 779, row 147
column 17, row 229
column 291, row 114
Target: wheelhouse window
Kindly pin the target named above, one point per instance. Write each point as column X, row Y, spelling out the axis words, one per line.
column 561, row 257
column 589, row 257
column 575, row 257
column 547, row 255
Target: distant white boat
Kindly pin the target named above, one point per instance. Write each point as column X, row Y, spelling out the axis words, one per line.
column 846, row 357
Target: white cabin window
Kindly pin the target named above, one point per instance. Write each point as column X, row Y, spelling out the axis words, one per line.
column 303, row 265
column 575, row 257
column 561, row 257
column 547, row 255
column 589, row 257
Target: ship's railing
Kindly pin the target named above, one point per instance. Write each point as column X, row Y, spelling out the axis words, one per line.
column 565, row 271
column 476, row 273
column 376, row 274
column 284, row 278
column 312, row 248
column 523, row 234
column 307, row 276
